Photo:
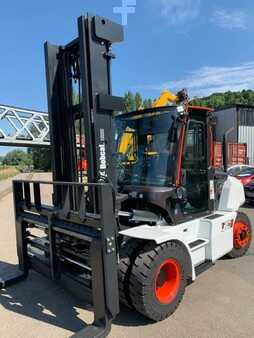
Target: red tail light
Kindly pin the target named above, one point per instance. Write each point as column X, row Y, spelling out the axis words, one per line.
column 246, row 180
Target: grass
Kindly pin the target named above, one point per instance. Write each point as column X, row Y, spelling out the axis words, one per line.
column 7, row 172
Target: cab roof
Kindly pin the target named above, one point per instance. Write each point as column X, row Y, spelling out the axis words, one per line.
column 148, row 110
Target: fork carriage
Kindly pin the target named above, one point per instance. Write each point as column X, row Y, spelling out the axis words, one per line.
column 77, row 241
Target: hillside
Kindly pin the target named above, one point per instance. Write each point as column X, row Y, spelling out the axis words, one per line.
column 220, row 100
column 133, row 101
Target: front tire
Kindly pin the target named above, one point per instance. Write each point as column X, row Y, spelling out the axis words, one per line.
column 128, row 254
column 242, row 236
column 158, row 280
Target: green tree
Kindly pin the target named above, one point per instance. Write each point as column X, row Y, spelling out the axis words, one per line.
column 221, row 100
column 138, row 101
column 135, row 101
column 130, row 104
column 17, row 158
column 41, row 158
column 147, row 103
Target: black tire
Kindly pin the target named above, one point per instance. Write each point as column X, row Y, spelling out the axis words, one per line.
column 239, row 251
column 128, row 253
column 143, row 277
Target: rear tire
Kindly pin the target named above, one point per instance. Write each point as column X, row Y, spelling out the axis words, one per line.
column 158, row 280
column 242, row 236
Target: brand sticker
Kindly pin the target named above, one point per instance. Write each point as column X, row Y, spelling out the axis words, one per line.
column 102, row 159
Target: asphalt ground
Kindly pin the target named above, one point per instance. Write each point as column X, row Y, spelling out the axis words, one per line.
column 219, row 304
column 6, row 185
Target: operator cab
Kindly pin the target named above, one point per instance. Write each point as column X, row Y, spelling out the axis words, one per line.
column 147, row 143
column 164, row 158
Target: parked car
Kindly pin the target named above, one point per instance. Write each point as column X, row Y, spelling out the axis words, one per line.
column 245, row 175
column 236, row 169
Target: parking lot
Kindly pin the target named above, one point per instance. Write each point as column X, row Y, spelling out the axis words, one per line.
column 219, row 304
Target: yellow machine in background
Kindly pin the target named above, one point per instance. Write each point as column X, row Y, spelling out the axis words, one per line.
column 128, row 143
column 165, row 98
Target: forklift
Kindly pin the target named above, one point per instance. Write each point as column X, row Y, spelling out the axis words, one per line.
column 150, row 214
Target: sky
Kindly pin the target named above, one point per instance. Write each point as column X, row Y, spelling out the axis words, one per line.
column 204, row 46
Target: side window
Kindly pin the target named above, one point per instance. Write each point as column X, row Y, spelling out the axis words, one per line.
column 194, row 168
column 195, row 142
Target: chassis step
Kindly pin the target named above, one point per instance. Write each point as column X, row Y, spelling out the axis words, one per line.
column 11, row 276
column 198, row 243
column 203, row 267
column 96, row 330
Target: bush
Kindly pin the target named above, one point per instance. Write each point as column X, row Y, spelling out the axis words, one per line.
column 41, row 158
column 17, row 158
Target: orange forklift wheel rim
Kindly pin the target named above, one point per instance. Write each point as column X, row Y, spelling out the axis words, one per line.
column 241, row 235
column 167, row 281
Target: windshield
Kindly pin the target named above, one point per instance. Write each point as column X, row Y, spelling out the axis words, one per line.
column 147, row 148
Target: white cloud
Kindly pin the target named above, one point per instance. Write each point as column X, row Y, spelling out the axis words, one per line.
column 208, row 80
column 180, row 11
column 231, row 19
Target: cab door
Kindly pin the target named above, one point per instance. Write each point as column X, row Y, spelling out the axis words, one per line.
column 195, row 167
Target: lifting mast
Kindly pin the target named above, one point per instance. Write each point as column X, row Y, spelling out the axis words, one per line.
column 82, row 213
